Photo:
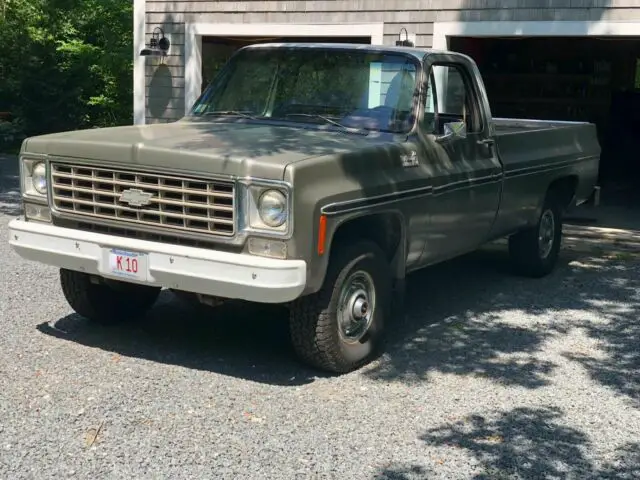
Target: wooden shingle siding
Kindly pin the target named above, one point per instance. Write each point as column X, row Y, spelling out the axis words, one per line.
column 417, row 16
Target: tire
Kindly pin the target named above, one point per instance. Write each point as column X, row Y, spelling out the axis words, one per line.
column 528, row 255
column 106, row 303
column 314, row 326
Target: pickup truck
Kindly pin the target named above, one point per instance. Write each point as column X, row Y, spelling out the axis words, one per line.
column 315, row 176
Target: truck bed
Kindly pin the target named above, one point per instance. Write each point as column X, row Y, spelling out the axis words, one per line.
column 535, row 152
column 524, row 143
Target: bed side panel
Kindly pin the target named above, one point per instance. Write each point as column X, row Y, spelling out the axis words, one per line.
column 534, row 158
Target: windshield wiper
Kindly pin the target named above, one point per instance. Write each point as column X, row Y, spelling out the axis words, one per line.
column 329, row 120
column 229, row 112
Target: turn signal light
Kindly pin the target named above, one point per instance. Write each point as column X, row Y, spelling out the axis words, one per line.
column 39, row 213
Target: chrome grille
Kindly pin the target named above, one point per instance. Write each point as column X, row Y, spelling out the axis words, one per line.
column 166, row 201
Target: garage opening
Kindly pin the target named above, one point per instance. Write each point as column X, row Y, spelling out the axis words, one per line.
column 217, row 50
column 594, row 79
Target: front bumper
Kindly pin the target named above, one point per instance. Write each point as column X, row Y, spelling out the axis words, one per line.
column 197, row 270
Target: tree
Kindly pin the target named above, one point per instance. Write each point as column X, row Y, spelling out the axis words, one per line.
column 66, row 64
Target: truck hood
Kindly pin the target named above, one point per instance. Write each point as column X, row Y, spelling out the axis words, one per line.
column 225, row 148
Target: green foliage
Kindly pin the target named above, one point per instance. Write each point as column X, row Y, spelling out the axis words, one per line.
column 11, row 134
column 66, row 64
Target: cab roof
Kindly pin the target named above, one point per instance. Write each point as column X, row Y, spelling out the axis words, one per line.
column 418, row 53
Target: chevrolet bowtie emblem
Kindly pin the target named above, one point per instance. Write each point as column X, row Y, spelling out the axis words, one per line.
column 135, row 197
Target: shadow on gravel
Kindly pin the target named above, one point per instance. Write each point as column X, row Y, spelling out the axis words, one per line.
column 251, row 341
column 527, row 443
column 618, row 366
column 453, row 322
column 241, row 340
column 9, row 186
column 453, row 325
column 414, row 472
column 524, row 443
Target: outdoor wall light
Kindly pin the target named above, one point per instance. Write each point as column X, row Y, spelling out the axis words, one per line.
column 158, row 45
column 406, row 42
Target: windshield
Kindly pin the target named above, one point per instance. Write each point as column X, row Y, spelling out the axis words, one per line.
column 357, row 89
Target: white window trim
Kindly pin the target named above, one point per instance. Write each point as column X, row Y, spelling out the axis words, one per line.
column 139, row 81
column 442, row 31
column 195, row 31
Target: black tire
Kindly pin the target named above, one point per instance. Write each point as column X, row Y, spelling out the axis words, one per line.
column 524, row 247
column 313, row 322
column 106, row 303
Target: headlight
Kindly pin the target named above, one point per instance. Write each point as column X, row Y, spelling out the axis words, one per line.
column 267, row 208
column 272, row 208
column 34, row 178
column 39, row 178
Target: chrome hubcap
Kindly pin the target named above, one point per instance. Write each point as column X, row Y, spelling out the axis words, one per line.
column 356, row 307
column 546, row 234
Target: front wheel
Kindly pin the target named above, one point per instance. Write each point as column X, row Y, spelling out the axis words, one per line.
column 534, row 251
column 339, row 329
column 106, row 302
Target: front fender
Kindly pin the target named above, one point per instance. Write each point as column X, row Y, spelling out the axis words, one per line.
column 387, row 227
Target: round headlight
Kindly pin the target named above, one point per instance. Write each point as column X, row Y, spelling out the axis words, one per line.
column 273, row 208
column 39, row 178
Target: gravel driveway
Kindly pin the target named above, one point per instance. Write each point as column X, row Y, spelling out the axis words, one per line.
column 488, row 376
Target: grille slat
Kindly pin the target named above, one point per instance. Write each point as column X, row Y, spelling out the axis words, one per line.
column 139, row 212
column 161, row 200
column 223, row 193
column 177, row 203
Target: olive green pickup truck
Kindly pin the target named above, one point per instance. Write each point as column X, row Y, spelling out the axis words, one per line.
column 311, row 175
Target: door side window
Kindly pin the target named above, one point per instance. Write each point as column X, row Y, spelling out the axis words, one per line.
column 450, row 98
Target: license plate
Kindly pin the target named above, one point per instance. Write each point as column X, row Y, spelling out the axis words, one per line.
column 132, row 265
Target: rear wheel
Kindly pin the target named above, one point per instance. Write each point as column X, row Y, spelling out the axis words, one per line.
column 339, row 328
column 106, row 302
column 534, row 251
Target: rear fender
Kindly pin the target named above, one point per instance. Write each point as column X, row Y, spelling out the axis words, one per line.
column 564, row 188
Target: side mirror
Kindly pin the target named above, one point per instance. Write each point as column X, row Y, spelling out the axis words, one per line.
column 453, row 130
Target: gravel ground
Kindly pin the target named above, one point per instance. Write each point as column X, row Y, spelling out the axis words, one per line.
column 488, row 376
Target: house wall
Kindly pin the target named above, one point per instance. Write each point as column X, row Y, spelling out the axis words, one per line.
column 164, row 82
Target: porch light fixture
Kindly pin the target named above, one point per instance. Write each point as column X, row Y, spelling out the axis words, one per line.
column 158, row 45
column 406, row 42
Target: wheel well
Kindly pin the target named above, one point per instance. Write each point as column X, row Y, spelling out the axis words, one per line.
column 564, row 189
column 385, row 229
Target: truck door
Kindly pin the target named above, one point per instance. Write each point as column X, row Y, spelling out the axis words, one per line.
column 455, row 140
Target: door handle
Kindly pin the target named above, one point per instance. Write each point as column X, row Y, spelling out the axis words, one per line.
column 486, row 141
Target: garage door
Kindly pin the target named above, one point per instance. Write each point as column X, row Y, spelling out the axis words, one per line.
column 578, row 78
